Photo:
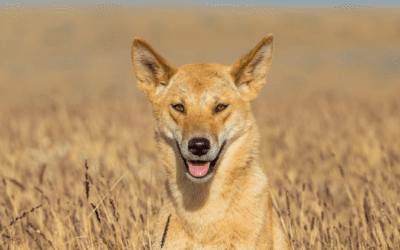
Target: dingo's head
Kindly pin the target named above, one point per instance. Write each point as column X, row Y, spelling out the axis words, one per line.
column 201, row 108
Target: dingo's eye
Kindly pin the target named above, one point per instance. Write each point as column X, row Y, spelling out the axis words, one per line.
column 179, row 107
column 220, row 107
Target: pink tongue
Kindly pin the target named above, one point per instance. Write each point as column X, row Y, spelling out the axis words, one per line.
column 198, row 171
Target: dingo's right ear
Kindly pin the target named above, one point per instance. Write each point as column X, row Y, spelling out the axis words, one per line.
column 152, row 70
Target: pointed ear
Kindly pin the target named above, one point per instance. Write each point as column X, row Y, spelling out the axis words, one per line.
column 153, row 72
column 250, row 71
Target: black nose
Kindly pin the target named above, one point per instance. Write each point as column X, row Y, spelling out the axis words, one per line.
column 199, row 146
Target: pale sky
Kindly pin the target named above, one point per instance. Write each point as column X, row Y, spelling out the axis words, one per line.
column 266, row 2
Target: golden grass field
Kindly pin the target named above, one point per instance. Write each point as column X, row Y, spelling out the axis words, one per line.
column 329, row 117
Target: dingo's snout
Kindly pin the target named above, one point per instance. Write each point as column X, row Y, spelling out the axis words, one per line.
column 199, row 146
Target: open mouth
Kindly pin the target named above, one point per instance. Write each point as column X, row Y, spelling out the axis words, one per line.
column 200, row 169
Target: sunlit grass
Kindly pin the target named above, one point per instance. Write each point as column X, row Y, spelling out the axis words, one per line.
column 334, row 161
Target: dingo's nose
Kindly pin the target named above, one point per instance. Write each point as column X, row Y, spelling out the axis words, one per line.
column 199, row 146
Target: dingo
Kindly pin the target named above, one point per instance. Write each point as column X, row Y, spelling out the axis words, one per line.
column 216, row 193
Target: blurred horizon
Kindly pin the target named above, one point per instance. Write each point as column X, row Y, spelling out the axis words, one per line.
column 80, row 52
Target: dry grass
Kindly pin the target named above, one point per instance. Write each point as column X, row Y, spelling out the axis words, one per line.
column 85, row 174
column 333, row 161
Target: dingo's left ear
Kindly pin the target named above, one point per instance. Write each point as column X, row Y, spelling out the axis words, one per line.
column 153, row 72
column 250, row 71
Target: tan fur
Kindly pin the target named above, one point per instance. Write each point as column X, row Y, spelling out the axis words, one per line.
column 233, row 208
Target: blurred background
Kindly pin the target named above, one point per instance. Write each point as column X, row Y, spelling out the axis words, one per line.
column 81, row 52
